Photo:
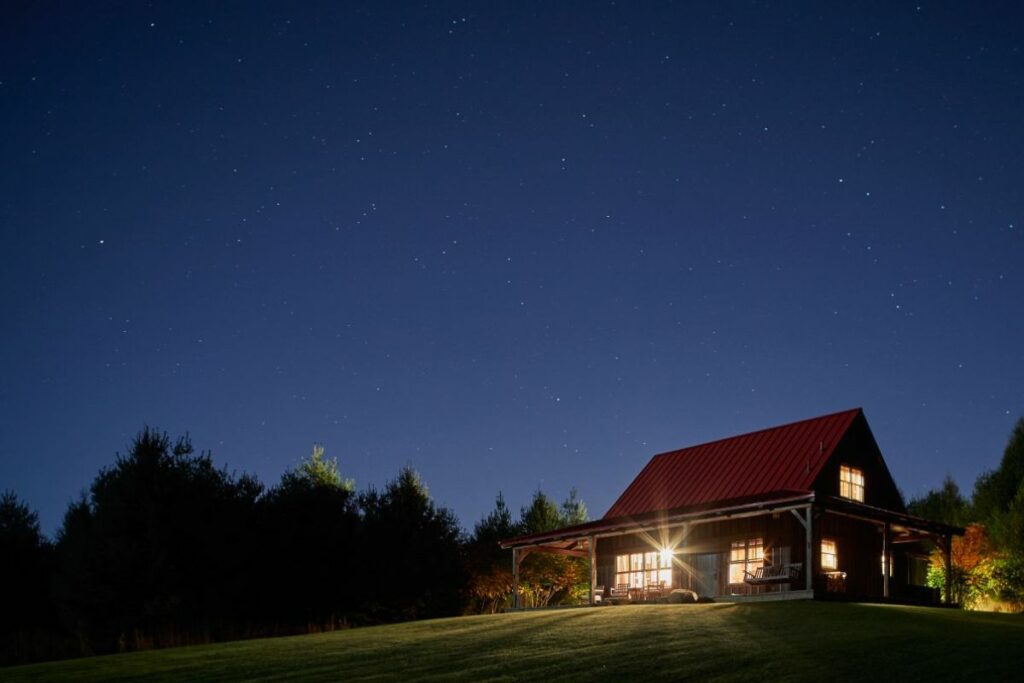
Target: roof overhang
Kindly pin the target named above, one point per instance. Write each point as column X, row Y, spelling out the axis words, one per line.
column 903, row 520
column 618, row 526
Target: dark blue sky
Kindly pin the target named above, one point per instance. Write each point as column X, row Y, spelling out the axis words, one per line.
column 514, row 245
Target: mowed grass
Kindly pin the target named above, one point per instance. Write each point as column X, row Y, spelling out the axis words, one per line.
column 786, row 641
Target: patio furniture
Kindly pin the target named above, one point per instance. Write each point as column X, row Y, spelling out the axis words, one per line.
column 619, row 592
column 654, row 590
column 773, row 573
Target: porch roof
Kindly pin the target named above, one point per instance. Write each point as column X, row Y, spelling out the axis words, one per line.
column 569, row 536
column 901, row 519
column 657, row 518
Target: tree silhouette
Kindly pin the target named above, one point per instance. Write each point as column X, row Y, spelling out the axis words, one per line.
column 307, row 547
column 25, row 570
column 412, row 553
column 158, row 551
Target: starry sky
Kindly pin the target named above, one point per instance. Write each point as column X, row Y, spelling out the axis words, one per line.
column 514, row 245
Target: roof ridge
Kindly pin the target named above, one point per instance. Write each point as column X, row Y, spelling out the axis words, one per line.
column 756, row 431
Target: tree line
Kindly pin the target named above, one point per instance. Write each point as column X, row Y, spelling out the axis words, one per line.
column 166, row 549
column 988, row 560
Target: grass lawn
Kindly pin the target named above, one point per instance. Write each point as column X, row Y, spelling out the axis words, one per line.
column 785, row 641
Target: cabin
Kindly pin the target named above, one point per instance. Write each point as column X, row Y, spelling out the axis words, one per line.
column 800, row 511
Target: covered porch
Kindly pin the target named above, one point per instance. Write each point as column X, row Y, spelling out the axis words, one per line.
column 677, row 557
column 792, row 547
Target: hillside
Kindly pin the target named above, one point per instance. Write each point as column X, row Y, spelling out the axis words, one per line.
column 795, row 641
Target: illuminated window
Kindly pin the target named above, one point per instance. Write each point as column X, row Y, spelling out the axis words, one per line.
column 829, row 555
column 644, row 569
column 851, row 483
column 745, row 556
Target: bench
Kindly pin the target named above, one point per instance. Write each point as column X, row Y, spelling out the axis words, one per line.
column 773, row 573
column 620, row 592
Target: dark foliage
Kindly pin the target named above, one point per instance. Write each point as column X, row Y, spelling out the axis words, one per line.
column 157, row 553
column 412, row 565
column 166, row 549
column 945, row 504
column 307, row 549
column 999, row 495
column 26, row 617
column 489, row 567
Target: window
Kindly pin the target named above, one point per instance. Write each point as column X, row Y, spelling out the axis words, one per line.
column 851, row 483
column 745, row 556
column 643, row 569
column 829, row 555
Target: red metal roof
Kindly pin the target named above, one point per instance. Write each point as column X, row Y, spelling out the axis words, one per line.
column 768, row 462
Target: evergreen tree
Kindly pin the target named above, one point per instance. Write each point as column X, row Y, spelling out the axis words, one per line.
column 999, row 495
column 489, row 567
column 25, row 570
column 309, row 528
column 411, row 553
column 159, row 552
column 945, row 504
column 546, row 578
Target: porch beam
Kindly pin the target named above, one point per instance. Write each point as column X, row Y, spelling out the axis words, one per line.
column 560, row 551
column 684, row 519
column 693, row 520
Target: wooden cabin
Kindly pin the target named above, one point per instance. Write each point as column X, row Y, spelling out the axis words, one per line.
column 803, row 510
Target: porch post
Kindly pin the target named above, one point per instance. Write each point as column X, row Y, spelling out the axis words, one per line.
column 809, row 556
column 947, row 550
column 515, row 578
column 885, row 560
column 593, row 567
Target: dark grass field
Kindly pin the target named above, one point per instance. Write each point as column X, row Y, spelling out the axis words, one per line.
column 786, row 641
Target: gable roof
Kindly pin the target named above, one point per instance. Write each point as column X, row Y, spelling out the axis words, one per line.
column 763, row 464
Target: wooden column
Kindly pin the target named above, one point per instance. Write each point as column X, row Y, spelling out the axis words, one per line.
column 515, row 578
column 885, row 560
column 805, row 522
column 809, row 577
column 593, row 567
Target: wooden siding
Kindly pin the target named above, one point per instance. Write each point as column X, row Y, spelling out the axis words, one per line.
column 705, row 550
column 858, row 449
column 782, row 534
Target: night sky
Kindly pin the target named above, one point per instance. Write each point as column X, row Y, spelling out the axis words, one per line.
column 513, row 245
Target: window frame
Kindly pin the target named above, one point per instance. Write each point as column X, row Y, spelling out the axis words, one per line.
column 851, row 483
column 748, row 562
column 834, row 554
column 643, row 569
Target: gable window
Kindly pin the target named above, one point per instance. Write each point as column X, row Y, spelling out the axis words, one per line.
column 829, row 555
column 745, row 556
column 643, row 569
column 851, row 483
